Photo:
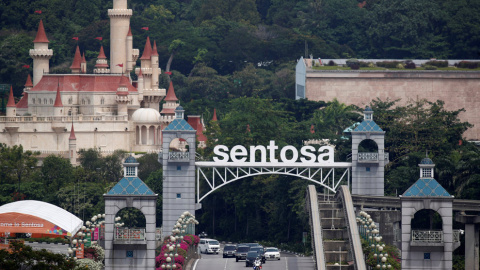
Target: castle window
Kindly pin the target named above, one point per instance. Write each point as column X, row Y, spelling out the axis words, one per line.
column 33, row 101
column 102, row 101
column 70, row 101
column 83, row 101
column 51, row 101
column 39, row 101
column 45, row 101
column 88, row 100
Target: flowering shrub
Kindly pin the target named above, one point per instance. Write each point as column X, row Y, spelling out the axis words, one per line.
column 88, row 264
column 188, row 241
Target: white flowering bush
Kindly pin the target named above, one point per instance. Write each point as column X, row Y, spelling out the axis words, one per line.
column 100, row 252
column 88, row 263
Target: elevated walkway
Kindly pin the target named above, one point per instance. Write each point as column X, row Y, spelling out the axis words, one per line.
column 335, row 238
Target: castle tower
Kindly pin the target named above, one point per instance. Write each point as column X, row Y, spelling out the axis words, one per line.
column 40, row 54
column 130, row 57
column 171, row 102
column 178, row 171
column 146, row 64
column 140, row 85
column 28, row 84
column 122, row 97
column 131, row 250
column 76, row 66
column 22, row 105
column 155, row 68
column 11, row 106
column 368, row 157
column 119, row 26
column 72, row 147
column 101, row 65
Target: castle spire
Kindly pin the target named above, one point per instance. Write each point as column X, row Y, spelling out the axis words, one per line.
column 11, row 100
column 58, row 98
column 72, row 134
column 171, row 93
column 41, row 36
column 77, row 61
column 147, row 51
column 29, row 82
column 154, row 50
column 214, row 118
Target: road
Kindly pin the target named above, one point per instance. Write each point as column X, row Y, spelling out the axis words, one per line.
column 287, row 262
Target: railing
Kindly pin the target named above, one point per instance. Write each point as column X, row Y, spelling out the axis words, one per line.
column 316, row 227
column 345, row 198
column 129, row 234
column 179, row 156
column 371, row 156
column 427, row 236
column 397, row 235
column 67, row 119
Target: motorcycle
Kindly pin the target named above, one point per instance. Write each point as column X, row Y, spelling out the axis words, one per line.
column 257, row 264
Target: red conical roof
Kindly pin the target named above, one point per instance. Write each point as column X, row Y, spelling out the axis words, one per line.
column 101, row 55
column 147, row 51
column 41, row 36
column 129, row 32
column 58, row 98
column 214, row 118
column 171, row 93
column 154, row 50
column 77, row 60
column 124, row 81
column 11, row 100
column 83, row 59
column 72, row 134
column 140, row 74
column 23, row 103
column 29, row 81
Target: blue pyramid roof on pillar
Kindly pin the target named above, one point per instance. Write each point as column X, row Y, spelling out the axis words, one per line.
column 179, row 124
column 130, row 184
column 426, row 186
column 368, row 125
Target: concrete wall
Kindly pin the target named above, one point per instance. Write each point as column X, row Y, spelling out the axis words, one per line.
column 458, row 89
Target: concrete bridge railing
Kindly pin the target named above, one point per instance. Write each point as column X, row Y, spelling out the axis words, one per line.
column 316, row 228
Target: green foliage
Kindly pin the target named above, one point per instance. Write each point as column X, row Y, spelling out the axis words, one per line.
column 22, row 256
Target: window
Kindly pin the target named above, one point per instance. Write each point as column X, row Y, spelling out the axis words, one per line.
column 129, row 253
column 83, row 101
column 367, row 169
column 102, row 101
column 426, row 256
column 51, row 101
column 179, row 168
column 179, row 195
column 70, row 101
column 33, row 101
column 426, row 172
column 130, row 171
column 368, row 116
column 39, row 101
column 45, row 101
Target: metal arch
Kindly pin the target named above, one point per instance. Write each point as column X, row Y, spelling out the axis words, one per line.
column 219, row 175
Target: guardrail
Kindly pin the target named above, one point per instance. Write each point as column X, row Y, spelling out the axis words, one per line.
column 354, row 237
column 179, row 156
column 421, row 236
column 316, row 227
column 372, row 156
column 130, row 234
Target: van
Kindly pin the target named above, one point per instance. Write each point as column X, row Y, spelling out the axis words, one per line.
column 209, row 246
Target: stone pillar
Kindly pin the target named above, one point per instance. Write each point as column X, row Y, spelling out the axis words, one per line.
column 472, row 234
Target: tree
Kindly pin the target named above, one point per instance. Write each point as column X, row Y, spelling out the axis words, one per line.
column 16, row 164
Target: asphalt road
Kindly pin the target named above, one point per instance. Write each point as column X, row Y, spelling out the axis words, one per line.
column 286, row 262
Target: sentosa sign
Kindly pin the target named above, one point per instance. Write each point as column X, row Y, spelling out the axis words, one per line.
column 288, row 154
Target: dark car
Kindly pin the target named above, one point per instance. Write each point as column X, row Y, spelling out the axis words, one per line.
column 229, row 251
column 251, row 257
column 241, row 252
column 261, row 252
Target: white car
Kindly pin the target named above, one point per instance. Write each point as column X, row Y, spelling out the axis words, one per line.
column 272, row 253
column 209, row 246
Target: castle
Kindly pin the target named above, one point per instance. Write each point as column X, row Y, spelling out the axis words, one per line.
column 106, row 110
